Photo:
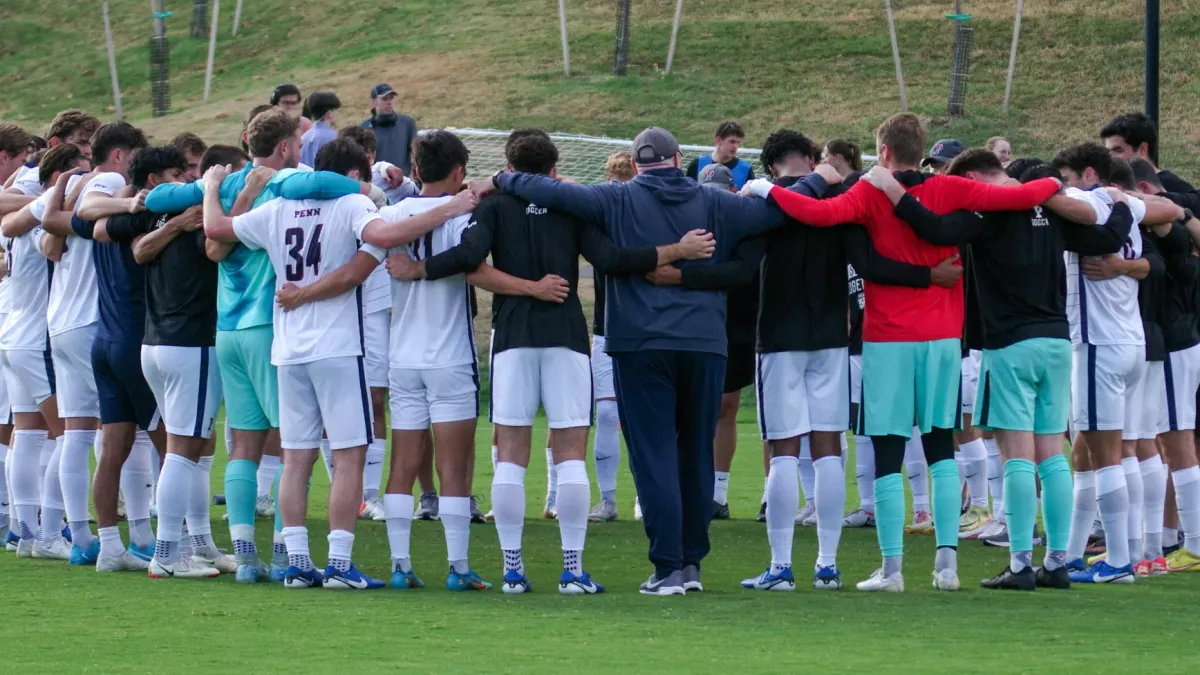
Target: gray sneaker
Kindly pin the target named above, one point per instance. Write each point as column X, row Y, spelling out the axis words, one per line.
column 476, row 514
column 672, row 585
column 427, row 508
column 605, row 511
column 691, row 578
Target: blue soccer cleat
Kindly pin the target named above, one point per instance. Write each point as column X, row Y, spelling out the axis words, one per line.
column 781, row 581
column 351, row 579
column 405, row 580
column 142, row 553
column 277, row 573
column 515, row 583
column 251, row 572
column 11, row 541
column 85, row 556
column 1103, row 573
column 1075, row 565
column 827, row 578
column 569, row 584
column 471, row 581
column 294, row 577
column 66, row 534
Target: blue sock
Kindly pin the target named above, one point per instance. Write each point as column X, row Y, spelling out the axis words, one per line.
column 889, row 514
column 947, row 496
column 1057, row 501
column 1020, row 503
column 241, row 491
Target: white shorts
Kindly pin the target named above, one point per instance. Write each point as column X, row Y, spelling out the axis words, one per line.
column 186, row 385
column 328, row 395
column 602, row 370
column 76, row 383
column 28, row 377
column 799, row 392
column 1182, row 379
column 1146, row 417
column 1102, row 383
column 5, row 410
column 437, row 395
column 970, row 380
column 856, row 378
column 376, row 333
column 556, row 377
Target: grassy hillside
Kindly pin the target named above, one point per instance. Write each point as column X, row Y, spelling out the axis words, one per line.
column 824, row 68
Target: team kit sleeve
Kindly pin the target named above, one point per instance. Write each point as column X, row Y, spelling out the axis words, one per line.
column 877, row 268
column 471, row 251
column 175, row 197
column 851, row 206
column 106, row 183
column 254, row 227
column 317, row 185
column 958, row 193
column 82, row 228
column 608, row 258
column 954, row 229
column 738, row 271
column 589, row 202
column 1102, row 239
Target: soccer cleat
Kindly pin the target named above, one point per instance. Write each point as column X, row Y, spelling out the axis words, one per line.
column 125, row 562
column 827, row 578
column 807, row 516
column 550, row 512
column 1076, row 565
column 471, row 581
column 350, row 580
column 57, row 550
column 251, row 572
column 604, row 512
column 946, row 580
column 515, row 583
column 973, row 522
column 1008, row 580
column 720, row 511
column 995, row 534
column 762, row 513
column 859, row 518
column 1158, row 567
column 405, row 580
column 1103, row 573
column 223, row 562
column 427, row 507
column 476, row 514
column 145, row 553
column 783, row 580
column 294, row 577
column 184, row 568
column 371, row 509
column 25, row 548
column 264, row 507
column 569, row 584
column 120, row 506
column 85, row 556
column 878, row 583
column 276, row 573
column 637, row 509
column 10, row 541
column 1183, row 560
column 66, row 534
column 691, row 578
column 1059, row 579
column 922, row 523
column 671, row 585
column 489, row 516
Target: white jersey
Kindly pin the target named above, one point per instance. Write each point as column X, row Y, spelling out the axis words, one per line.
column 27, row 183
column 73, row 295
column 431, row 320
column 1105, row 312
column 306, row 240
column 376, row 291
column 28, row 281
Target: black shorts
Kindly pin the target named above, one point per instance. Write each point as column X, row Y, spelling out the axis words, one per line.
column 124, row 394
column 739, row 368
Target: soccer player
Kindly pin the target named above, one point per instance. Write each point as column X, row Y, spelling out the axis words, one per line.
column 323, row 106
column 728, row 139
column 192, row 147
column 1132, row 135
column 911, row 339
column 1024, row 383
column 73, row 127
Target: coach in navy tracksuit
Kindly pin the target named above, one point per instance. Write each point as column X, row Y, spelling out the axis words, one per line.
column 668, row 343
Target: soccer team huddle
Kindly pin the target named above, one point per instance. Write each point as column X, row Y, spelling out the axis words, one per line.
column 960, row 313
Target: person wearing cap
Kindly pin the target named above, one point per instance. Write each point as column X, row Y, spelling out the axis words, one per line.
column 941, row 153
column 728, row 139
column 668, row 343
column 322, row 106
column 394, row 133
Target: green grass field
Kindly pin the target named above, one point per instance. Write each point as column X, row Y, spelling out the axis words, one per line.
column 60, row 619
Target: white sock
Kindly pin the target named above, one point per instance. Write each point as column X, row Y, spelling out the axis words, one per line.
column 1154, row 481
column 52, row 497
column 766, row 482
column 1082, row 515
column 199, row 525
column 508, row 510
column 551, row 478
column 808, row 478
column 864, row 469
column 1137, row 502
column 137, row 484
column 296, row 540
column 175, row 485
column 495, row 458
column 110, row 541
column 995, row 478
column 398, row 511
column 4, row 484
column 455, row 513
column 75, row 478
column 327, row 457
column 1112, row 494
column 975, row 470
column 373, row 468
column 721, row 487
column 26, row 492
column 831, row 504
column 574, row 492
column 1187, row 498
column 268, row 468
column 607, row 449
column 918, row 472
column 341, row 549
column 783, row 498
column 44, row 459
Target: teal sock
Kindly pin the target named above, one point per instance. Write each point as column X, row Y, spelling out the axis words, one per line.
column 1020, row 503
column 241, row 490
column 889, row 514
column 275, row 492
column 947, row 499
column 1058, row 499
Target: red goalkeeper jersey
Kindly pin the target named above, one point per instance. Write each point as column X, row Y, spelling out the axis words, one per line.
column 898, row 313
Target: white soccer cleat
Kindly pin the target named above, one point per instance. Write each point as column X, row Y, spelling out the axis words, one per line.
column 878, row 583
column 184, row 568
column 945, row 580
column 25, row 548
column 126, row 562
column 223, row 562
column 605, row 511
column 264, row 507
column 807, row 516
column 58, row 550
column 859, row 518
column 372, row 509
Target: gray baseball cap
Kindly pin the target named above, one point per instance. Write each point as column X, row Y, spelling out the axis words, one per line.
column 716, row 176
column 654, row 145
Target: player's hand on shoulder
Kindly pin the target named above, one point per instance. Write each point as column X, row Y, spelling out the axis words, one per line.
column 463, row 203
column 551, row 288
column 947, row 273
column 259, row 177
column 65, row 176
column 1101, row 268
column 137, row 203
column 394, row 176
column 698, row 244
column 401, row 266
column 759, row 187
column 191, row 219
column 1116, row 195
column 829, row 173
column 667, row 275
column 289, row 296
